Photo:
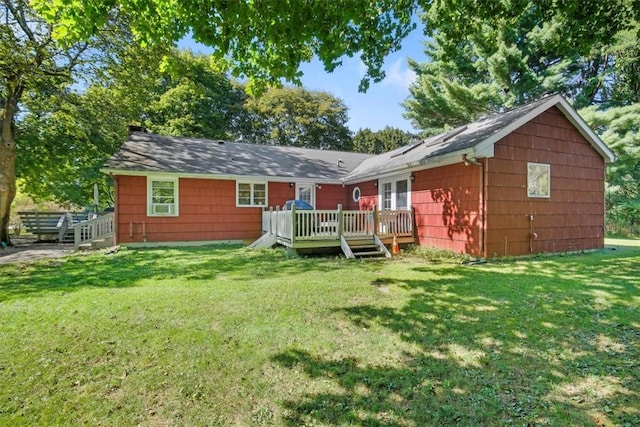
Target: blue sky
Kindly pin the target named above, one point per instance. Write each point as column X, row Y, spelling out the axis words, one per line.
column 380, row 106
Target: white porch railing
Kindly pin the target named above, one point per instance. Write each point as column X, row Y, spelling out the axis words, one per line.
column 398, row 223
column 96, row 228
column 309, row 225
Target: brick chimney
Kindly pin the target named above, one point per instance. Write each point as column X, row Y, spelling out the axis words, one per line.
column 135, row 128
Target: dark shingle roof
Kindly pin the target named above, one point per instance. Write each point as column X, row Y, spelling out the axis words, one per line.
column 145, row 152
column 475, row 139
column 456, row 140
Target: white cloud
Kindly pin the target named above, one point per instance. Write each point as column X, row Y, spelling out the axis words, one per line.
column 399, row 75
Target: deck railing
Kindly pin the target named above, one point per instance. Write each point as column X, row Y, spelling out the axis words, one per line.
column 96, row 228
column 398, row 223
column 309, row 225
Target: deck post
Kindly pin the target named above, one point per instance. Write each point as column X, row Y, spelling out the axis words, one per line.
column 293, row 223
column 340, row 220
column 277, row 219
column 413, row 222
column 374, row 212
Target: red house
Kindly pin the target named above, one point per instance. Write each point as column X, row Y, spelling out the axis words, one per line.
column 525, row 181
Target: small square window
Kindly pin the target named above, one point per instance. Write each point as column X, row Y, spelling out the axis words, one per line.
column 538, row 180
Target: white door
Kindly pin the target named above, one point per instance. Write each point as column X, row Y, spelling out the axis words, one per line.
column 306, row 192
column 394, row 194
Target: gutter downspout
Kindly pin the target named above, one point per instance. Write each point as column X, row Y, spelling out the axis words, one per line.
column 481, row 231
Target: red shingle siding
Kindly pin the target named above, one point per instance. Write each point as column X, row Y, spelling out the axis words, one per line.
column 572, row 218
column 207, row 211
column 368, row 196
column 329, row 196
column 280, row 192
column 446, row 203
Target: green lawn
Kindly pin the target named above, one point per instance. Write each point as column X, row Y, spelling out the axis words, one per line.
column 228, row 336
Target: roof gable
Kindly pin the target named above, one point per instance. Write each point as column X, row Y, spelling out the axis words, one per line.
column 476, row 140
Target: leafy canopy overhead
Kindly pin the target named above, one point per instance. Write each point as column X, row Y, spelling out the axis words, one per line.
column 266, row 40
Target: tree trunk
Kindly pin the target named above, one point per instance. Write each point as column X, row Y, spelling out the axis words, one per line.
column 7, row 169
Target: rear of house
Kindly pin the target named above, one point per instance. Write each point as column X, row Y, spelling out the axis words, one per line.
column 545, row 190
column 525, row 181
column 172, row 190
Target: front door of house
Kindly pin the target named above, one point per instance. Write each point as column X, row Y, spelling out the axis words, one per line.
column 306, row 192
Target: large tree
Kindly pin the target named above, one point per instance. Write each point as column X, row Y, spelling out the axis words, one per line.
column 297, row 117
column 70, row 121
column 194, row 98
column 31, row 62
column 387, row 139
column 487, row 56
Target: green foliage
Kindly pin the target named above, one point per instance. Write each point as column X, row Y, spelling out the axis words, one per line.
column 264, row 40
column 172, row 337
column 387, row 139
column 33, row 69
column 297, row 117
column 64, row 141
column 488, row 56
column 192, row 98
column 619, row 128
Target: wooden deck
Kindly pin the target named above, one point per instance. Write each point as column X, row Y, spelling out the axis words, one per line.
column 302, row 229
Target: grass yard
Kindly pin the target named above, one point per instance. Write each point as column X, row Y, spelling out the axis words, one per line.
column 227, row 336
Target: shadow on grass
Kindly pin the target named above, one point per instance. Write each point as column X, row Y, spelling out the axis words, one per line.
column 129, row 267
column 537, row 342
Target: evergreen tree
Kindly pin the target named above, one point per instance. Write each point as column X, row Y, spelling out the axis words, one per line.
column 485, row 57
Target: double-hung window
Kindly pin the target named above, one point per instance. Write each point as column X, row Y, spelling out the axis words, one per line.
column 251, row 194
column 162, row 196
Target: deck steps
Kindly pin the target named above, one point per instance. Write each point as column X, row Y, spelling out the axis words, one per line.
column 364, row 248
column 101, row 243
column 265, row 241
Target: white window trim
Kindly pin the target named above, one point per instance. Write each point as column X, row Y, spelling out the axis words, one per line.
column 253, row 183
column 393, row 180
column 536, row 196
column 176, row 186
column 300, row 184
column 353, row 194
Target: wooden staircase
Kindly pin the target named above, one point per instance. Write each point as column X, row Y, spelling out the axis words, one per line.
column 96, row 233
column 364, row 247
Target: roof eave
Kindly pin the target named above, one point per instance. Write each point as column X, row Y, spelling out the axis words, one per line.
column 586, row 131
column 558, row 101
column 423, row 164
column 126, row 172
